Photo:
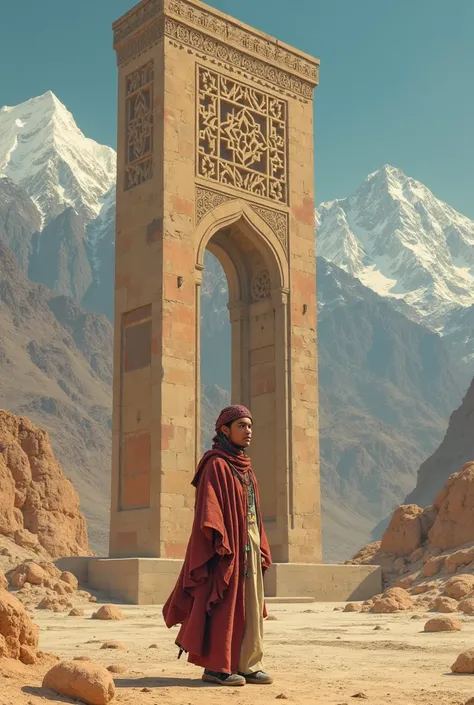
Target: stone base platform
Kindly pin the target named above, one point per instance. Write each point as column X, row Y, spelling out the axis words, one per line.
column 149, row 581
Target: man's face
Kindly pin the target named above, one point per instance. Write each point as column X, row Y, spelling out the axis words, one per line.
column 240, row 432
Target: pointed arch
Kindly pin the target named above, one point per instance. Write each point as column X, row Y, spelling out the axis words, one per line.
column 258, row 232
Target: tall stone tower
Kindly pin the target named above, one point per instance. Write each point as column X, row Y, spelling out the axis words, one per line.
column 215, row 151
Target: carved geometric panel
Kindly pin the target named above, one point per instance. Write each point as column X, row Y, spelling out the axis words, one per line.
column 139, row 126
column 242, row 136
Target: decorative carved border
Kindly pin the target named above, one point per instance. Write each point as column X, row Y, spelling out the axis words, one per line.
column 139, row 126
column 208, row 199
column 276, row 220
column 217, row 37
column 134, row 19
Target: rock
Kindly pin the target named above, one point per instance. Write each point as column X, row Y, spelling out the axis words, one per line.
column 146, row 690
column 153, row 646
column 459, row 586
column 466, row 606
column 272, row 618
column 16, row 626
column 27, row 572
column 113, row 645
column 445, row 604
column 459, row 558
column 417, row 555
column 420, row 588
column 76, row 612
column 27, row 655
column 393, row 600
column 39, row 508
column 50, row 569
column 88, row 682
column 403, row 534
column 3, row 582
column 69, row 579
column 82, row 658
column 464, row 662
column 3, row 647
column 433, row 566
column 378, row 628
column 443, row 624
column 427, row 519
column 453, row 526
column 405, row 582
column 55, row 603
column 399, row 565
column 352, row 607
column 109, row 612
column 117, row 668
column 92, row 598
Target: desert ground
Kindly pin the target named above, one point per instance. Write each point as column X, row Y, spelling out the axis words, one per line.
column 316, row 654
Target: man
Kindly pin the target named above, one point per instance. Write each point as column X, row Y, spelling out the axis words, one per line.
column 218, row 599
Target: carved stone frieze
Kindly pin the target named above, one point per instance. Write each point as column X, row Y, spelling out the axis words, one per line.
column 216, row 37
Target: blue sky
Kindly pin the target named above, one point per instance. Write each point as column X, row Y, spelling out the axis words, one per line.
column 396, row 79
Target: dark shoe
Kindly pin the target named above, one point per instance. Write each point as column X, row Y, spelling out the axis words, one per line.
column 230, row 679
column 258, row 678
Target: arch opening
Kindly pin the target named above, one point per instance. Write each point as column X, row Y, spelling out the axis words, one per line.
column 238, row 351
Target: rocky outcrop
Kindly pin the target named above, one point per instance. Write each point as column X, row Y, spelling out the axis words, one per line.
column 18, row 634
column 430, row 552
column 39, row 507
column 456, row 449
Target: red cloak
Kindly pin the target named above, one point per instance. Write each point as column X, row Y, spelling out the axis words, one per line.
column 209, row 598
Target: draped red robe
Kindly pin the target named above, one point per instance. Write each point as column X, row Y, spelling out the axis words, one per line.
column 209, row 598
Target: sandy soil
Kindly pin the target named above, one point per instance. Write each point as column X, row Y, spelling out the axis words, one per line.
column 316, row 655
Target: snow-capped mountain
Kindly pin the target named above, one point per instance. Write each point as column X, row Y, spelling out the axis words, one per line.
column 43, row 150
column 401, row 241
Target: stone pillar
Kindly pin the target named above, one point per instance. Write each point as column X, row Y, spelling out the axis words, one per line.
column 215, row 143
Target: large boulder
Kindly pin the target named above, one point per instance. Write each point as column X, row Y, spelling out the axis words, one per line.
column 464, row 662
column 3, row 582
column 81, row 680
column 393, row 600
column 459, row 586
column 443, row 624
column 109, row 612
column 404, row 533
column 453, row 526
column 39, row 508
column 16, row 627
column 445, row 604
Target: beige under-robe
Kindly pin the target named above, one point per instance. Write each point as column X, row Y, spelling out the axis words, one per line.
column 251, row 652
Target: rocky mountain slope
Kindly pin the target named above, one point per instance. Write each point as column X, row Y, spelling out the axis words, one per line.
column 456, row 449
column 39, row 507
column 55, row 368
column 401, row 241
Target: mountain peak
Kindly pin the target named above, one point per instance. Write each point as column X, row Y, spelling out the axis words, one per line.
column 398, row 239
column 43, row 150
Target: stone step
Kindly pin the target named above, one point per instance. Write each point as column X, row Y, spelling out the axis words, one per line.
column 288, row 600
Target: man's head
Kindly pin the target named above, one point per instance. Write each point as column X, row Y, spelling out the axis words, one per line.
column 235, row 422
